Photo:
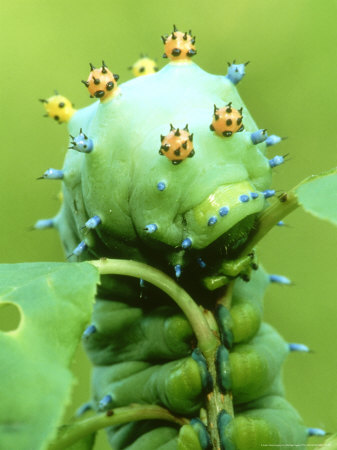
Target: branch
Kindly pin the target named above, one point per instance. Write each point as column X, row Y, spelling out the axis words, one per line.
column 286, row 204
column 82, row 428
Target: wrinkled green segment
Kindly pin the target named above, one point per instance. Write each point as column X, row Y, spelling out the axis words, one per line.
column 55, row 302
column 188, row 439
column 268, row 421
column 318, row 196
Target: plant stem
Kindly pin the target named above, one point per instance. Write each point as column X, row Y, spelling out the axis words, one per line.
column 82, row 428
column 286, row 203
column 207, row 342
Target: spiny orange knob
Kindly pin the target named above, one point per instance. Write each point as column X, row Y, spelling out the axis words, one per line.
column 179, row 46
column 227, row 120
column 177, row 145
column 101, row 83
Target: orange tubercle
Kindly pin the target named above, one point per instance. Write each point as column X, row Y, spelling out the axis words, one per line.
column 177, row 145
column 179, row 46
column 102, row 83
column 226, row 121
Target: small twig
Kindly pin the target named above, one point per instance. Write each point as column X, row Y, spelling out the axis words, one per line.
column 78, row 430
column 287, row 202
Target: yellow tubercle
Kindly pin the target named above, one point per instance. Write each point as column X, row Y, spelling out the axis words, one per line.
column 59, row 108
column 144, row 66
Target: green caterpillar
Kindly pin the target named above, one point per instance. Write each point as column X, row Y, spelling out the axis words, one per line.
column 170, row 169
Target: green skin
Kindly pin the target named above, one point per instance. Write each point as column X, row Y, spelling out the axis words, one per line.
column 142, row 349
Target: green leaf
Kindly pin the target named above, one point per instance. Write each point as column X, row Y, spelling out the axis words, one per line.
column 87, row 442
column 55, row 303
column 318, row 195
column 329, row 444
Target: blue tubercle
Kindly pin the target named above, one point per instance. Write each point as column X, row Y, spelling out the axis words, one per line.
column 52, row 174
column 280, row 223
column 79, row 249
column 82, row 143
column 105, row 402
column 91, row 329
column 151, row 228
column 43, row 224
column 273, row 139
column 254, row 195
column 201, row 263
column 93, row 222
column 212, row 220
column 236, row 72
column 223, row 211
column 293, row 347
column 276, row 161
column 161, row 186
column 244, row 198
column 141, row 283
column 279, row 279
column 316, row 432
column 187, row 243
column 177, row 269
column 259, row 136
column 269, row 193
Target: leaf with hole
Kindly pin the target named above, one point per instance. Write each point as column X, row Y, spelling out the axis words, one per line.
column 54, row 301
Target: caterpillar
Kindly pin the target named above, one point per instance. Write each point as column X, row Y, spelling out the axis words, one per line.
column 190, row 214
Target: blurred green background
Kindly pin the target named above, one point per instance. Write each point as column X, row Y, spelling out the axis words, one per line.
column 290, row 89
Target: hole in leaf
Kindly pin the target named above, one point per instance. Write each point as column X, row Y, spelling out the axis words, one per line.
column 10, row 317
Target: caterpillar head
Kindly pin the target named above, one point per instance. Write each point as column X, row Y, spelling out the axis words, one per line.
column 101, row 83
column 144, row 66
column 177, row 145
column 58, row 108
column 179, row 46
column 227, row 120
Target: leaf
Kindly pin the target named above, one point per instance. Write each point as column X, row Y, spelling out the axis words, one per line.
column 55, row 302
column 318, row 195
column 87, row 442
column 329, row 444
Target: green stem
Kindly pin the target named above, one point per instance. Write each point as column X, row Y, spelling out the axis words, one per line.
column 216, row 401
column 286, row 203
column 82, row 428
column 207, row 342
